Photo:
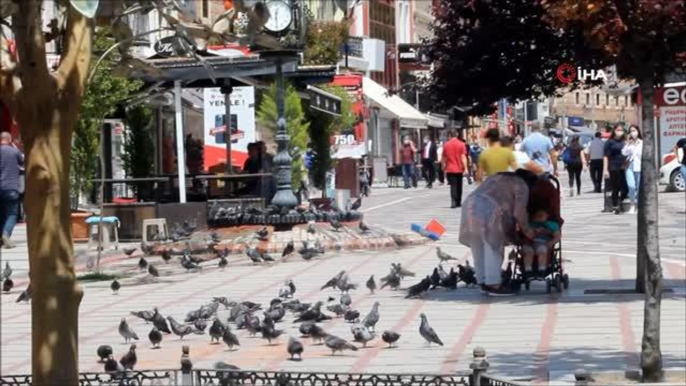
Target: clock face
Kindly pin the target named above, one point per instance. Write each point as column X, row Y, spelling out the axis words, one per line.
column 280, row 16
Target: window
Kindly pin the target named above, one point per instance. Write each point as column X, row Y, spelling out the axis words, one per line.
column 205, row 8
column 597, row 99
column 616, row 101
column 607, row 100
column 625, row 101
column 588, row 99
column 577, row 97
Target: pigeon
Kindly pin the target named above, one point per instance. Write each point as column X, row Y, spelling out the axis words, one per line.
column 181, row 329
column 252, row 324
column 372, row 318
column 345, row 286
column 357, row 204
column 145, row 315
column 352, row 316
column 222, row 262
column 371, row 284
column 129, row 251
column 166, row 256
column 189, row 264
column 288, row 249
column 200, row 325
column 427, row 332
column 7, row 285
column 338, row 344
column 311, row 229
column 333, row 282
column 317, row 333
column 128, row 361
column 308, row 255
column 291, row 285
column 262, row 234
column 295, row 347
column 111, row 365
column 104, row 352
column 312, row 314
column 126, row 332
column 267, row 257
column 155, row 337
column 435, row 278
column 216, row 330
column 7, row 272
column 276, row 314
column 390, row 337
column 142, row 264
column 115, row 286
column 153, row 271
column 450, row 281
column 335, row 224
column 466, row 274
column 402, row 272
column 229, row 338
column 442, row 256
column 270, row 333
column 25, row 296
column 254, row 255
column 392, row 280
column 364, row 228
column 346, row 300
column 306, row 328
column 160, row 322
column 338, row 309
column 419, row 288
column 224, row 301
column 362, row 335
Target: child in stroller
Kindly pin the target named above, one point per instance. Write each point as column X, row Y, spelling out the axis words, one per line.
column 547, row 235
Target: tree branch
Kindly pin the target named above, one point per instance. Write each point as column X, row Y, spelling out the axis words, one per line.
column 72, row 72
column 26, row 26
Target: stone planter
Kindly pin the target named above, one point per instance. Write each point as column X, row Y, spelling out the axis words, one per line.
column 79, row 228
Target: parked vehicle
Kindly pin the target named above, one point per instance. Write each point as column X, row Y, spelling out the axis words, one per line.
column 670, row 174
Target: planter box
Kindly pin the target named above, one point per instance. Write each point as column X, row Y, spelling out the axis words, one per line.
column 79, row 228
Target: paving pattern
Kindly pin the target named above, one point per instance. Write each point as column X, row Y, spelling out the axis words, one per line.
column 533, row 336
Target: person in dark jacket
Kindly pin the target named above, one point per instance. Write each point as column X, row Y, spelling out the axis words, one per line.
column 614, row 167
column 429, row 157
column 11, row 160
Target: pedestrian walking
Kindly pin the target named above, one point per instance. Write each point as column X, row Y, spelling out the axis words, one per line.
column 681, row 144
column 454, row 162
column 429, row 157
column 614, row 167
column 523, row 160
column 407, row 157
column 11, row 160
column 573, row 158
column 440, row 171
column 501, row 200
column 595, row 151
column 633, row 151
column 541, row 149
column 475, row 151
column 495, row 159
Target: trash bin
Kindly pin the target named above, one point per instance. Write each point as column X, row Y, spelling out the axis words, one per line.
column 342, row 198
column 347, row 176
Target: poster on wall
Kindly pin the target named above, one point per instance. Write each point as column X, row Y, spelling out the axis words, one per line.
column 242, row 125
column 671, row 103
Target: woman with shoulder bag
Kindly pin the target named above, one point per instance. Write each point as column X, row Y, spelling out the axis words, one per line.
column 574, row 160
column 633, row 151
column 614, row 167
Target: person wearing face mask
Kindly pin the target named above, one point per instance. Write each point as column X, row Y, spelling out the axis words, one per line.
column 614, row 167
column 633, row 150
column 429, row 157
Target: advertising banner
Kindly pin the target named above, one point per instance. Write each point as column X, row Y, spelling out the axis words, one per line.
column 671, row 103
column 242, row 125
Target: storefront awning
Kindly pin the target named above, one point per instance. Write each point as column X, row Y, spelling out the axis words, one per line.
column 403, row 111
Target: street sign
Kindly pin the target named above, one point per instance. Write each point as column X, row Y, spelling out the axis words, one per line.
column 354, row 47
column 411, row 54
column 324, row 101
column 167, row 46
column 575, row 121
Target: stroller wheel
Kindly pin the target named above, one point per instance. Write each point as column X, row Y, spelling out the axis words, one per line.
column 558, row 283
column 548, row 285
column 527, row 285
column 565, row 281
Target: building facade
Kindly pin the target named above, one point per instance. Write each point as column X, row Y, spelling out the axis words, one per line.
column 596, row 106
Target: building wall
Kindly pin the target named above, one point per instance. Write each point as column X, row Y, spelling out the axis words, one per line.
column 382, row 25
column 595, row 105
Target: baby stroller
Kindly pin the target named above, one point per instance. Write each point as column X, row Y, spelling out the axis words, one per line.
column 546, row 194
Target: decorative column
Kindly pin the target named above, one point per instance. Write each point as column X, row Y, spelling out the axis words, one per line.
column 283, row 163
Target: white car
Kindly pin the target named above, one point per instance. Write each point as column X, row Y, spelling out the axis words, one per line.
column 670, row 172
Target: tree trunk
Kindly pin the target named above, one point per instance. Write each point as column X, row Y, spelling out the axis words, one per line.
column 649, row 250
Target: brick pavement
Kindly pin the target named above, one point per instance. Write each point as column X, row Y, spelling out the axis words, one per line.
column 531, row 336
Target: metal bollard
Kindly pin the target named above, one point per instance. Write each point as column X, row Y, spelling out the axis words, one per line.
column 479, row 365
column 186, row 367
column 582, row 377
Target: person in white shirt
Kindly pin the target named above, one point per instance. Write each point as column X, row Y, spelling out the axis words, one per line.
column 429, row 156
column 633, row 151
column 595, row 150
column 439, row 168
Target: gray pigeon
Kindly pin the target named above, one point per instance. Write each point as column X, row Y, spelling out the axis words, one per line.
column 352, row 316
column 346, row 300
column 362, row 335
column 112, row 366
column 317, row 333
column 371, row 284
column 7, row 272
column 104, row 352
column 295, row 347
column 147, row 316
column 262, row 234
column 126, row 332
column 142, row 263
column 153, row 271
column 222, row 262
column 338, row 309
column 254, row 255
column 129, row 251
column 288, row 249
column 25, row 296
column 442, row 256
column 427, row 332
column 182, row 329
column 115, row 286
column 216, row 330
column 155, row 337
column 128, row 361
column 390, row 337
column 311, row 229
column 333, row 282
column 335, row 343
column 230, row 338
column 267, row 257
column 373, row 317
column 160, row 322
column 364, row 228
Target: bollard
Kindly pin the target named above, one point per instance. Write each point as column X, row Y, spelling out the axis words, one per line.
column 186, row 367
column 582, row 377
column 479, row 365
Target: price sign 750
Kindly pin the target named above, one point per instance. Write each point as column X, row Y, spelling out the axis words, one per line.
column 344, row 139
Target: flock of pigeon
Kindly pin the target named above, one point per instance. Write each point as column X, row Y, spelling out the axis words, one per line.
column 264, row 321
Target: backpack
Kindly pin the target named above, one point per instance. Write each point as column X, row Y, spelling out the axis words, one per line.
column 569, row 158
